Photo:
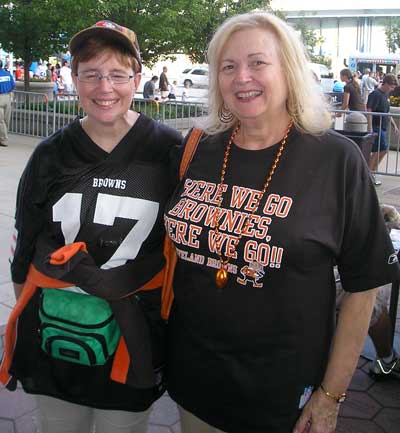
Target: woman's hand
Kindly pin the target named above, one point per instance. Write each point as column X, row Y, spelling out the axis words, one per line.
column 319, row 415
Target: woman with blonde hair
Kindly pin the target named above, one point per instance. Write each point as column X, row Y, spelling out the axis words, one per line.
column 271, row 200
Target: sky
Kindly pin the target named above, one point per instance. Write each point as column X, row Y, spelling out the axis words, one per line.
column 337, row 4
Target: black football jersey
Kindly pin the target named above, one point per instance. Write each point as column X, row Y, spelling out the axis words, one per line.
column 72, row 190
column 114, row 201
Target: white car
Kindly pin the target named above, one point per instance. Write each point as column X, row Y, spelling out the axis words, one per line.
column 323, row 75
column 195, row 77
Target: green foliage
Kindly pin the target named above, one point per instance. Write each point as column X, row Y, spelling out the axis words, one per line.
column 162, row 111
column 61, row 107
column 395, row 101
column 392, row 32
column 200, row 18
column 324, row 60
column 33, row 29
column 312, row 41
column 169, row 111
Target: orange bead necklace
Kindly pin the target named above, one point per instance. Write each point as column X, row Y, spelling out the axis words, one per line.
column 221, row 276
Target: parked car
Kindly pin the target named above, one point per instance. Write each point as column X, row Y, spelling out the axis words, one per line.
column 195, row 76
column 323, row 75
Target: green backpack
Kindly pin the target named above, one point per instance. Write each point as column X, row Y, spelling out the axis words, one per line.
column 77, row 327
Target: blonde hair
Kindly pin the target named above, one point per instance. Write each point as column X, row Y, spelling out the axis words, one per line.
column 305, row 103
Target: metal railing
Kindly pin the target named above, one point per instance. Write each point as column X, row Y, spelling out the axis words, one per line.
column 390, row 162
column 33, row 114
column 29, row 114
column 64, row 109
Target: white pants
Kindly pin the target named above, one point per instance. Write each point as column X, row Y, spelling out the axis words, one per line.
column 191, row 424
column 58, row 416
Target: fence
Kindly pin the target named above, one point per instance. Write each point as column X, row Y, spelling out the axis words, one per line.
column 33, row 114
column 30, row 114
column 390, row 162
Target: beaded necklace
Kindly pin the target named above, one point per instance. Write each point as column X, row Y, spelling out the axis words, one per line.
column 221, row 276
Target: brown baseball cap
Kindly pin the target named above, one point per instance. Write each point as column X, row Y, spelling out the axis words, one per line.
column 119, row 33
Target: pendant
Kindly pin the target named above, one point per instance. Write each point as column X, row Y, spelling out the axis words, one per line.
column 221, row 277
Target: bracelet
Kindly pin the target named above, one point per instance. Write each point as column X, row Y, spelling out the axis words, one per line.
column 340, row 398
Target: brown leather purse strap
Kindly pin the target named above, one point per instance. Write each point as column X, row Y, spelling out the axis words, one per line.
column 167, row 294
column 190, row 150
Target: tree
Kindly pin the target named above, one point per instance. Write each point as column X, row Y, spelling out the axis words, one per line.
column 392, row 32
column 177, row 26
column 33, row 29
column 200, row 18
column 157, row 25
column 311, row 41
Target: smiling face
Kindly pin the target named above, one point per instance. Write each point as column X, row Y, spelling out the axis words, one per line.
column 106, row 103
column 251, row 79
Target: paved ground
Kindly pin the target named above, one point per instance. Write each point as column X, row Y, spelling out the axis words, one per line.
column 372, row 407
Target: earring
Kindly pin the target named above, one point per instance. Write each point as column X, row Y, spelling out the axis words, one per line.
column 225, row 115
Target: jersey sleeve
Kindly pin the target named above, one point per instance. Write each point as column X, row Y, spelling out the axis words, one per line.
column 29, row 218
column 367, row 259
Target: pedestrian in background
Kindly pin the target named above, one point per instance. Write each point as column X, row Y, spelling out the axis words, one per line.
column 7, row 85
column 368, row 84
column 186, row 91
column 102, row 180
column 352, row 93
column 378, row 102
column 149, row 89
column 172, row 90
column 164, row 83
column 66, row 77
column 271, row 200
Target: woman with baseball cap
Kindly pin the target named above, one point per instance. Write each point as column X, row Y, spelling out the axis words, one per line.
column 98, row 185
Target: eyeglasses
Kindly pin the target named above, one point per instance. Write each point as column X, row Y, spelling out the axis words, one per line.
column 92, row 77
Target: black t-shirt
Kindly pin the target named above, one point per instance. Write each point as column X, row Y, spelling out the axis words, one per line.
column 378, row 102
column 72, row 190
column 241, row 357
column 355, row 102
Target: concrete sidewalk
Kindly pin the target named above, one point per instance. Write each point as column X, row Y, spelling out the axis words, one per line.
column 372, row 407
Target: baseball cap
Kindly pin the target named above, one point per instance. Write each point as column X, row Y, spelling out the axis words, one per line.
column 119, row 33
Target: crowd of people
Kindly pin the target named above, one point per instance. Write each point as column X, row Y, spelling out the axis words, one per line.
column 59, row 75
column 248, row 217
column 370, row 92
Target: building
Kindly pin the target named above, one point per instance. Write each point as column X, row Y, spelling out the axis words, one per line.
column 346, row 26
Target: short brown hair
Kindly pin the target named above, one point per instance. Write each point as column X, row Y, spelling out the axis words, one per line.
column 390, row 79
column 96, row 46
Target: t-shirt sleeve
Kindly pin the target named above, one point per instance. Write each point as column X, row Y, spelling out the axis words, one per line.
column 367, row 258
column 29, row 220
column 372, row 102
